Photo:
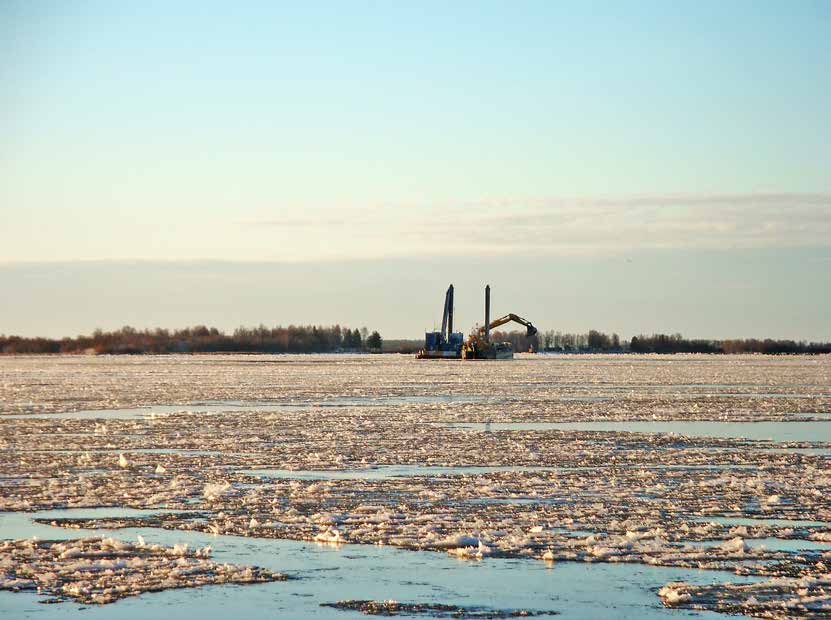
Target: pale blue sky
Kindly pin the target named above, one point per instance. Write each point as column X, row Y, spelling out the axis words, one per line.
column 547, row 138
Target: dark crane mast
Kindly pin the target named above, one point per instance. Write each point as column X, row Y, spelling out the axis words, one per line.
column 447, row 315
column 444, row 344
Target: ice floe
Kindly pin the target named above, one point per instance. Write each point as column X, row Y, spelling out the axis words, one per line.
column 104, row 570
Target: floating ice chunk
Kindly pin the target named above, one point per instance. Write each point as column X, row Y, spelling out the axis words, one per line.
column 330, row 536
column 160, row 469
column 671, row 594
column 734, row 545
column 462, row 552
column 204, row 552
column 460, row 540
column 214, row 491
column 479, row 551
column 601, row 551
column 115, row 544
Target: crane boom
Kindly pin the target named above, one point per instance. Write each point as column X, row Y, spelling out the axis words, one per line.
column 447, row 315
column 444, row 314
column 531, row 330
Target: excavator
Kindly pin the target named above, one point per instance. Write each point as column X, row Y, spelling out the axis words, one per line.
column 530, row 329
column 479, row 345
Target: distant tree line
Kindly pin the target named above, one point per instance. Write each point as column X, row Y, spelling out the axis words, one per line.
column 402, row 345
column 593, row 340
column 328, row 339
column 202, row 339
column 663, row 343
column 519, row 340
column 596, row 341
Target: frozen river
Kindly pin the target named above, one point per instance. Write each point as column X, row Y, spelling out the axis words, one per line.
column 589, row 486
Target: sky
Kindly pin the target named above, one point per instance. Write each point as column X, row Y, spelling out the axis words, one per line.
column 629, row 166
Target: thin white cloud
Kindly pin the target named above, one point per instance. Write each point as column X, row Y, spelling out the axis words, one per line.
column 564, row 225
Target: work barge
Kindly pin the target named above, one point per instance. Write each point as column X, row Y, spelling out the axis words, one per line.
column 448, row 345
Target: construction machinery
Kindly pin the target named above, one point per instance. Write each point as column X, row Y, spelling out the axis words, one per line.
column 479, row 345
column 445, row 344
column 530, row 329
column 448, row 344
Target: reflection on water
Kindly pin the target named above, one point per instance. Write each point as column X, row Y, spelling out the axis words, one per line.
column 385, row 471
column 775, row 431
column 18, row 525
column 140, row 413
column 382, row 472
column 215, row 406
column 810, row 451
column 772, row 544
column 762, row 521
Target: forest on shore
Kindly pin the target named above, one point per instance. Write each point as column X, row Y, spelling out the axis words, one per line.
column 202, row 339
column 334, row 339
column 595, row 341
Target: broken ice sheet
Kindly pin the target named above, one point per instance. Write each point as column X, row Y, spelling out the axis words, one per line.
column 104, row 570
column 808, row 597
column 543, row 493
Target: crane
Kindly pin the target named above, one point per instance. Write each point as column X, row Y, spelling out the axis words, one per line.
column 445, row 344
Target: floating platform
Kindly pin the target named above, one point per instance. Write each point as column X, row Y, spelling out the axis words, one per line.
column 449, row 345
column 438, row 355
column 497, row 351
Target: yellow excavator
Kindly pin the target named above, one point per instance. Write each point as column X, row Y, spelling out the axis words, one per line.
column 479, row 345
column 531, row 330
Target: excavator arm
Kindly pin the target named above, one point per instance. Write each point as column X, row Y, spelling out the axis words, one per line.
column 531, row 330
